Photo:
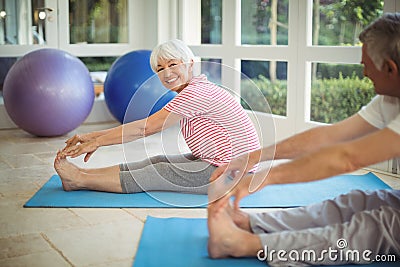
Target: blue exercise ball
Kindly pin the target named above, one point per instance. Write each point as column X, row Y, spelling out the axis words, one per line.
column 123, row 81
column 48, row 92
column 150, row 97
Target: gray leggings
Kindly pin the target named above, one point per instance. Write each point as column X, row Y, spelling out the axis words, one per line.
column 177, row 173
column 365, row 220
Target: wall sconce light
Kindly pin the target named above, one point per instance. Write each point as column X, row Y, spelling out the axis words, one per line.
column 42, row 12
column 3, row 14
column 42, row 15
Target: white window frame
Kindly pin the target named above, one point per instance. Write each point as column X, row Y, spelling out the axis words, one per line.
column 149, row 22
column 51, row 38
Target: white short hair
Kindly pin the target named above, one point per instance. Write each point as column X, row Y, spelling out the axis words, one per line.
column 172, row 49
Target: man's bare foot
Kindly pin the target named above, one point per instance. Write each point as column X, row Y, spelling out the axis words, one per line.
column 240, row 218
column 68, row 172
column 227, row 239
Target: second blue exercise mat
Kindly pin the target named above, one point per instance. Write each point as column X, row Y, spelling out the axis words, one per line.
column 274, row 196
column 176, row 242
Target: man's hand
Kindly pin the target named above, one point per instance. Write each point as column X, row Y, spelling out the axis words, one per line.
column 237, row 166
column 225, row 187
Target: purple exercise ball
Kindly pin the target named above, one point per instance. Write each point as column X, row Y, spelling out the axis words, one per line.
column 48, row 92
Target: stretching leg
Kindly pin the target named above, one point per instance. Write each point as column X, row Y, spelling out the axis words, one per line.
column 73, row 178
column 189, row 177
column 105, row 179
column 367, row 234
column 157, row 159
column 141, row 164
column 339, row 210
column 359, row 240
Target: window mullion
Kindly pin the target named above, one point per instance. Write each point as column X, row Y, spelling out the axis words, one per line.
column 230, row 37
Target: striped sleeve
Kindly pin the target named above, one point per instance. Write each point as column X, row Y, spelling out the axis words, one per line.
column 191, row 102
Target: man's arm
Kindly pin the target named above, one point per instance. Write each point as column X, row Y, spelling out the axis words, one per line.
column 329, row 161
column 337, row 159
column 299, row 144
column 317, row 138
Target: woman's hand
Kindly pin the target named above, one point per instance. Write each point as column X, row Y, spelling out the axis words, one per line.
column 73, row 149
column 79, row 139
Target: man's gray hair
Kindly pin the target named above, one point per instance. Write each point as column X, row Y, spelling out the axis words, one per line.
column 382, row 38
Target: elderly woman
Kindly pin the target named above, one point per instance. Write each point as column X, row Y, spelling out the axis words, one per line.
column 213, row 124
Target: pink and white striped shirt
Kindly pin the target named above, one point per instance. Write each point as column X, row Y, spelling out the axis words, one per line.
column 215, row 126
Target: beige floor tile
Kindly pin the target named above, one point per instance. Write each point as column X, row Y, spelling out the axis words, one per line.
column 16, row 220
column 100, row 243
column 21, row 245
column 18, row 191
column 392, row 181
column 101, row 216
column 27, row 173
column 21, row 161
column 47, row 158
column 57, row 143
column 3, row 164
column 114, row 263
column 25, row 148
column 42, row 259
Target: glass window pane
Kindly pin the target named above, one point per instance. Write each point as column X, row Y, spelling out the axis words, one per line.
column 100, row 21
column 5, row 65
column 211, row 21
column 211, row 67
column 98, row 67
column 265, row 22
column 98, row 63
column 338, row 23
column 23, row 22
column 269, row 78
column 338, row 91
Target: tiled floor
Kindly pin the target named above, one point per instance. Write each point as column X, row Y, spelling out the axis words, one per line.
column 72, row 237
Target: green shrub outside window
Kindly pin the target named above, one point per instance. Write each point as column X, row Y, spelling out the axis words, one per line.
column 332, row 99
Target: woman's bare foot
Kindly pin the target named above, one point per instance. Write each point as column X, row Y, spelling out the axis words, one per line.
column 227, row 239
column 68, row 172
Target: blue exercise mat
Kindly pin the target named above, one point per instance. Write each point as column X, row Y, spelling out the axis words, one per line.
column 175, row 242
column 274, row 196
